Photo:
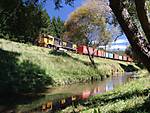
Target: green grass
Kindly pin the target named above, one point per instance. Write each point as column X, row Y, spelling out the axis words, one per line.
column 63, row 69
column 133, row 97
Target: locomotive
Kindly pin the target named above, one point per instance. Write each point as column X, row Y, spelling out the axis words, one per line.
column 53, row 42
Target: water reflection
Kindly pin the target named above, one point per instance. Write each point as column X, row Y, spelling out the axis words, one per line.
column 59, row 97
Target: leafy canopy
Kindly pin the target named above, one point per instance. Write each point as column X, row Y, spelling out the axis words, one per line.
column 87, row 25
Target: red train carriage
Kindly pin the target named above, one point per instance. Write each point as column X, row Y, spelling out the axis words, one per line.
column 124, row 57
column 116, row 56
column 83, row 50
column 100, row 53
column 80, row 49
column 95, row 52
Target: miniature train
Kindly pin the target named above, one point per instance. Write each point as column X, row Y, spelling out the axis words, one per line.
column 52, row 42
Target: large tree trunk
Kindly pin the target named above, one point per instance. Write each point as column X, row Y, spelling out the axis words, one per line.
column 137, row 41
column 142, row 15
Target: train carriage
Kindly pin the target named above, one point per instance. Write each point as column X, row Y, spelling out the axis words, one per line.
column 116, row 56
column 69, row 45
column 99, row 53
column 124, row 57
column 83, row 50
column 74, row 46
column 103, row 53
column 110, row 55
column 95, row 52
column 91, row 50
column 45, row 41
column 107, row 55
column 120, row 57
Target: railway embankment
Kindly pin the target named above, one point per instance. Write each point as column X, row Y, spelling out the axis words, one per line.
column 30, row 68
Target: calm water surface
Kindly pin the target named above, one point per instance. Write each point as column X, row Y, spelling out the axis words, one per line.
column 60, row 97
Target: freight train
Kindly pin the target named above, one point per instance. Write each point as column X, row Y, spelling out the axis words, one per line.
column 52, row 42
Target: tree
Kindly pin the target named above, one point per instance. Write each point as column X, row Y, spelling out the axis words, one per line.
column 139, row 43
column 22, row 20
column 57, row 27
column 87, row 25
column 45, row 19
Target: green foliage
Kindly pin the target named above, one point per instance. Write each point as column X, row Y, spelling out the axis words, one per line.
column 57, row 27
column 22, row 20
column 46, row 22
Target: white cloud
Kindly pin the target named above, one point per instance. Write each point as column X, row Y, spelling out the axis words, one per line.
column 118, row 47
column 120, row 41
column 115, row 47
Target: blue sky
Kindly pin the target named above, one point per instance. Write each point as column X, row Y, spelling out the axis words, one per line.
column 64, row 12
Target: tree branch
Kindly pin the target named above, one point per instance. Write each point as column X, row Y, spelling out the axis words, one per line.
column 142, row 15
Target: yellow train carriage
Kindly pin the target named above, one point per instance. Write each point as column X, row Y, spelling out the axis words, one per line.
column 74, row 46
column 64, row 44
column 69, row 45
column 46, row 41
column 51, row 42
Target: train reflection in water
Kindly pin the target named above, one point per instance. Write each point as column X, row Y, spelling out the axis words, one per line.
column 49, row 105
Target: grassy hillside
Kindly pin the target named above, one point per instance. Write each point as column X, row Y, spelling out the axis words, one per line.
column 39, row 66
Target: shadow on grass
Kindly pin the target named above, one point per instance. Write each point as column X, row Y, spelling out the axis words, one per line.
column 140, row 65
column 19, row 80
column 59, row 53
column 128, row 68
column 20, row 77
column 141, row 108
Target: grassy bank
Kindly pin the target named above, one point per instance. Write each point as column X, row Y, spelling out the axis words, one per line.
column 34, row 67
column 133, row 97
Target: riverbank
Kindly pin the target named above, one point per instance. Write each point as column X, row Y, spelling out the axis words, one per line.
column 35, row 67
column 133, row 97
